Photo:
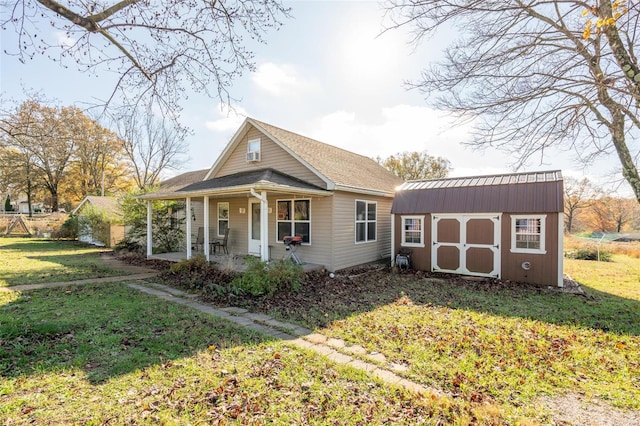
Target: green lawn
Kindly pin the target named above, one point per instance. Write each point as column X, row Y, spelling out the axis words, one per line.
column 106, row 354
column 101, row 354
column 509, row 346
column 32, row 261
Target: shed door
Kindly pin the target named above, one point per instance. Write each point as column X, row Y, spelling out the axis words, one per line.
column 466, row 244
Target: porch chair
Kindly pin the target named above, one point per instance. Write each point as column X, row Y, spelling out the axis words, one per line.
column 221, row 243
column 199, row 239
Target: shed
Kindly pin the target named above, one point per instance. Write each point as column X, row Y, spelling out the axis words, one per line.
column 506, row 226
column 113, row 231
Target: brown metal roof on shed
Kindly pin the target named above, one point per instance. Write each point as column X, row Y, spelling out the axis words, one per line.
column 536, row 192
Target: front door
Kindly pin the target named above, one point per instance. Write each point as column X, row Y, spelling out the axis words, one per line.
column 254, row 227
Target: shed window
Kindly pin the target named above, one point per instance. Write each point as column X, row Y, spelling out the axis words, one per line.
column 413, row 231
column 366, row 219
column 223, row 218
column 528, row 234
column 294, row 218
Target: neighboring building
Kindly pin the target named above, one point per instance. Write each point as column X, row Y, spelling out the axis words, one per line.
column 270, row 183
column 504, row 226
column 115, row 231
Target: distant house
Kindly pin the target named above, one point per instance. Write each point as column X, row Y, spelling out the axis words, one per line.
column 112, row 234
column 270, row 183
column 504, row 226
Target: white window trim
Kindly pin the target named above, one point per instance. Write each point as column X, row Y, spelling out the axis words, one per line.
column 543, row 228
column 292, row 220
column 228, row 219
column 366, row 221
column 403, row 242
column 250, row 141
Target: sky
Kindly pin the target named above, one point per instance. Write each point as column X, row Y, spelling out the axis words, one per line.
column 328, row 74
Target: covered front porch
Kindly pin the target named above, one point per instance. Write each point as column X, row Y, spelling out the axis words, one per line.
column 252, row 211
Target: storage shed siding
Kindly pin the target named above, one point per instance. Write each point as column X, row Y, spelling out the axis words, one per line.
column 544, row 267
column 271, row 156
column 420, row 256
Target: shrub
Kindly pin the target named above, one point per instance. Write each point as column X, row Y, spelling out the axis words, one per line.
column 590, row 253
column 267, row 279
column 129, row 245
column 197, row 264
column 68, row 229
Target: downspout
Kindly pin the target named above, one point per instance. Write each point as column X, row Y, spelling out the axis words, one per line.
column 393, row 240
column 149, row 236
column 188, row 214
column 264, row 224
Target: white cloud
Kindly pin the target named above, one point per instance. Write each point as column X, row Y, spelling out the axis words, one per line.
column 281, row 80
column 228, row 120
column 407, row 128
column 63, row 39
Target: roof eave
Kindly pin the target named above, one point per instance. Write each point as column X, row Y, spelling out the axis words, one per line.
column 366, row 191
column 236, row 190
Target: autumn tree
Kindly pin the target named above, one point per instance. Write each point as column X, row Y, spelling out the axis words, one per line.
column 612, row 214
column 152, row 145
column 99, row 165
column 157, row 49
column 17, row 173
column 534, row 75
column 59, row 149
column 416, row 165
column 46, row 136
column 578, row 195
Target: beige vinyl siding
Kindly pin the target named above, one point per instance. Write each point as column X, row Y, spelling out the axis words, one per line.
column 346, row 251
column 271, row 156
column 319, row 251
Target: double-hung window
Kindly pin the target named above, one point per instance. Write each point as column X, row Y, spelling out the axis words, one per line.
column 528, row 233
column 366, row 220
column 294, row 219
column 253, row 150
column 412, row 231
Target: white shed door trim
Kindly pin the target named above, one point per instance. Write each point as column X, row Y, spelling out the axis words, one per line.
column 463, row 246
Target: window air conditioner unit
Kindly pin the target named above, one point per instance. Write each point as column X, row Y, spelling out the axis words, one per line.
column 253, row 156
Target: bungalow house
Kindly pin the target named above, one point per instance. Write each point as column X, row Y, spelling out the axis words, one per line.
column 269, row 183
column 112, row 233
column 504, row 226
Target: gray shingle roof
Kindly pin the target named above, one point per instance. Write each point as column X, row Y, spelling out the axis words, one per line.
column 180, row 181
column 249, row 178
column 106, row 204
column 342, row 167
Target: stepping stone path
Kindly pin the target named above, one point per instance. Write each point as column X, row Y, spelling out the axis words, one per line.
column 335, row 350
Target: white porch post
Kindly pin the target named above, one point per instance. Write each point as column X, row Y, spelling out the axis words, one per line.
column 149, row 236
column 264, row 227
column 188, row 208
column 206, row 227
column 264, row 224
